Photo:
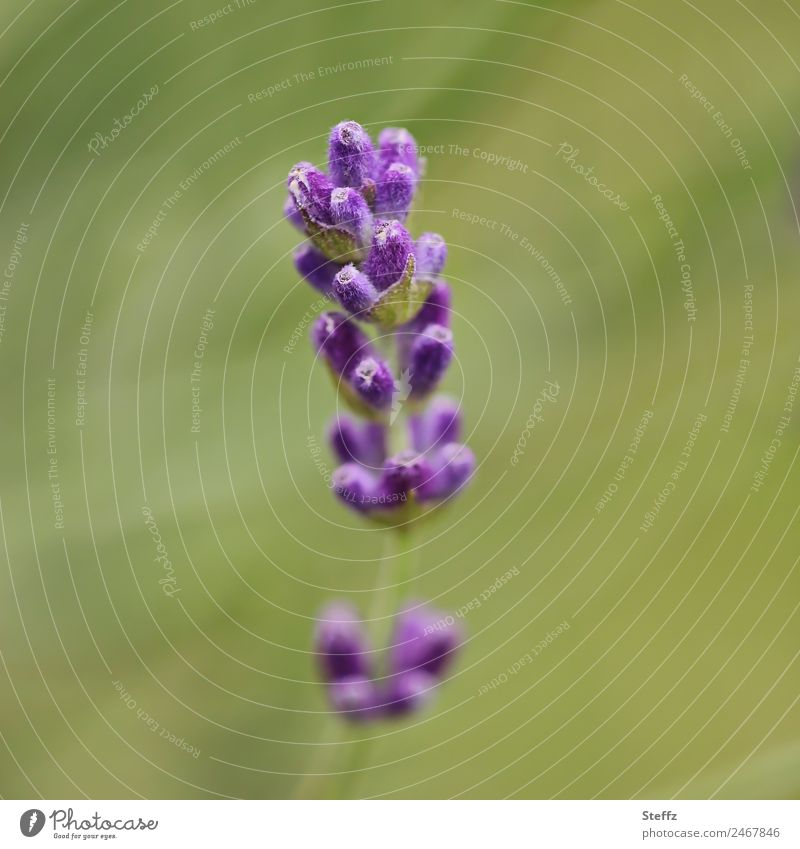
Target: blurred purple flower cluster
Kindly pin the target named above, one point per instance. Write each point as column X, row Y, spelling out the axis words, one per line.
column 421, row 650
column 394, row 305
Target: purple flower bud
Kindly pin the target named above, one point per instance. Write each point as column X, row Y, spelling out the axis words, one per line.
column 452, row 466
column 340, row 341
column 351, row 157
column 404, row 472
column 435, row 310
column 395, row 192
column 355, row 697
column 408, row 692
column 340, row 643
column 315, row 268
column 358, row 442
column 293, row 214
column 398, row 145
column 354, row 486
column 354, row 291
column 388, row 255
column 373, row 381
column 436, row 426
column 430, row 253
column 349, row 212
column 428, row 359
column 424, row 639
column 311, row 191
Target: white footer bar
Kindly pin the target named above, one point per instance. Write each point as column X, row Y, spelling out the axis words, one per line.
column 403, row 824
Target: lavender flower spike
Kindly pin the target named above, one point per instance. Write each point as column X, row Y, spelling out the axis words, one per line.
column 388, row 255
column 354, row 291
column 428, row 359
column 365, row 258
column 351, row 157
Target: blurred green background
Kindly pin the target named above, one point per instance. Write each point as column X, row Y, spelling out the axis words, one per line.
column 678, row 673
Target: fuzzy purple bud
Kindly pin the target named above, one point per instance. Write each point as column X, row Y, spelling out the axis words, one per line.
column 339, row 341
column 388, row 255
column 355, row 697
column 349, row 212
column 430, row 252
column 315, row 268
column 424, row 639
column 404, row 472
column 293, row 214
column 435, row 310
column 358, row 442
column 395, row 192
column 340, row 643
column 409, row 692
column 436, row 426
column 351, row 157
column 311, row 191
column 354, row 486
column 428, row 359
column 373, row 382
column 453, row 465
column 354, row 291
column 398, row 145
